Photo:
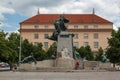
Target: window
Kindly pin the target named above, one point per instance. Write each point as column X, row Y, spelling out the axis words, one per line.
column 46, row 27
column 95, row 35
column 46, row 45
column 76, row 44
column 36, row 43
column 86, row 27
column 96, row 44
column 36, row 36
column 76, row 36
column 86, row 44
column 76, row 27
column 36, row 27
column 85, row 35
column 45, row 36
column 95, row 27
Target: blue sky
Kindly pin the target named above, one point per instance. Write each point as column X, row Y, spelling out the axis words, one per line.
column 11, row 23
column 14, row 11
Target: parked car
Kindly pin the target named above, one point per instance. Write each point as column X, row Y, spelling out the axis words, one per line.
column 3, row 65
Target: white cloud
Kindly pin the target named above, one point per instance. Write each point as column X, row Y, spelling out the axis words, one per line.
column 5, row 24
column 5, row 8
column 108, row 9
column 1, row 24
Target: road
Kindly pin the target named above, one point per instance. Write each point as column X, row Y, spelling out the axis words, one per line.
column 10, row 75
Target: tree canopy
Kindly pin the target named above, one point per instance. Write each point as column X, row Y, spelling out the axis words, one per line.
column 8, row 47
column 113, row 51
column 85, row 52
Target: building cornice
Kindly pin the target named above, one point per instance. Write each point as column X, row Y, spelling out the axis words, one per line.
column 69, row 30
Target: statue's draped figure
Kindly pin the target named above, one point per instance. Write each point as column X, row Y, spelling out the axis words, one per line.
column 59, row 26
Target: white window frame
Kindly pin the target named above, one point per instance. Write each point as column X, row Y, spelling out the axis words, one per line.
column 46, row 45
column 86, row 44
column 96, row 44
column 46, row 27
column 36, row 27
column 96, row 35
column 86, row 27
column 86, row 35
column 75, row 26
column 36, row 36
column 76, row 44
column 95, row 26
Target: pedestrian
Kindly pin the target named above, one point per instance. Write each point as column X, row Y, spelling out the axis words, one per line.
column 15, row 67
column 77, row 65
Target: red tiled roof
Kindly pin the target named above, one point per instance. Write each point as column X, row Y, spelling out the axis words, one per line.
column 74, row 18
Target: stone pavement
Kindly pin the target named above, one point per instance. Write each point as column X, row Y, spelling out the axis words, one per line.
column 9, row 75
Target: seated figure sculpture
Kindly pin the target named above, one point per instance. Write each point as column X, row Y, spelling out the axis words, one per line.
column 59, row 26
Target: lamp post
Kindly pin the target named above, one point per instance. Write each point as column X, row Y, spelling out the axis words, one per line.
column 20, row 50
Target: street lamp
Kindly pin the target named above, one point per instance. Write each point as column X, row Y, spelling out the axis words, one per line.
column 20, row 50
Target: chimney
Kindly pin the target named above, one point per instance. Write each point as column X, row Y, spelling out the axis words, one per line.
column 93, row 11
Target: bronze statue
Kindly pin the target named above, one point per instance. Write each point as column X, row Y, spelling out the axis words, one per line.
column 59, row 26
column 29, row 59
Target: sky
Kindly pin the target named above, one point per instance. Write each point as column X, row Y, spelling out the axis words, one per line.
column 12, row 12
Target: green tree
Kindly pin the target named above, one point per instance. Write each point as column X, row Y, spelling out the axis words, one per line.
column 35, row 50
column 51, row 52
column 27, row 48
column 38, row 52
column 89, row 53
column 85, row 52
column 82, row 51
column 7, row 54
column 113, row 51
column 99, row 54
column 13, row 43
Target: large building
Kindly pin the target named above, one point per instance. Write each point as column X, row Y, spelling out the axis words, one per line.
column 89, row 29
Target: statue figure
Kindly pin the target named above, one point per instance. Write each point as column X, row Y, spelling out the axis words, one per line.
column 76, row 55
column 29, row 59
column 104, row 58
column 59, row 26
column 65, row 53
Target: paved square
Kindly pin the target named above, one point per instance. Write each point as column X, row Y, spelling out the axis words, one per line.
column 9, row 75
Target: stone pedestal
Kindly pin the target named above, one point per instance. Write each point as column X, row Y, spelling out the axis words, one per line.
column 65, row 63
column 65, row 42
column 27, row 67
column 65, row 50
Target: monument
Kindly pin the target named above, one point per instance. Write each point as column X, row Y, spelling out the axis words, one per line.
column 65, row 53
column 64, row 41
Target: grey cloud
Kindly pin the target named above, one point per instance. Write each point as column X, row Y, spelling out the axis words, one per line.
column 109, row 9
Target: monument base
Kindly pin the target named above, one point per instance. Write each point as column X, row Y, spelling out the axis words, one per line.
column 65, row 63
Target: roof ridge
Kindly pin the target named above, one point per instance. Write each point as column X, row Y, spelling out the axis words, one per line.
column 74, row 18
